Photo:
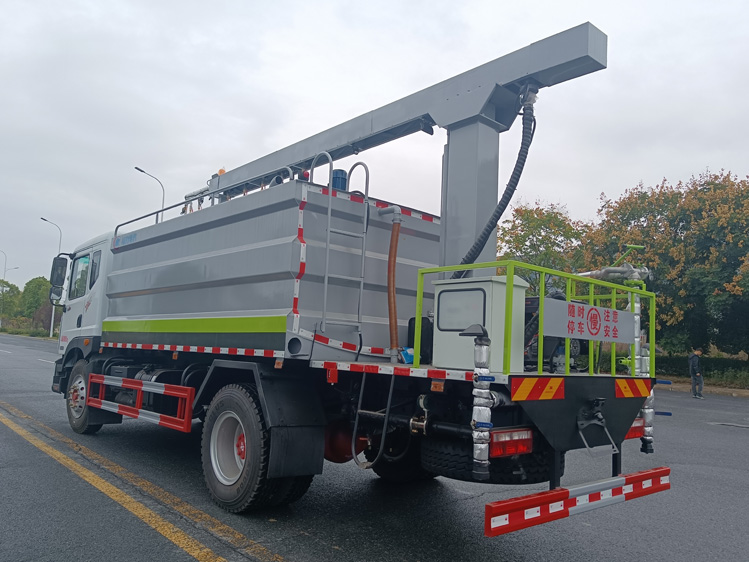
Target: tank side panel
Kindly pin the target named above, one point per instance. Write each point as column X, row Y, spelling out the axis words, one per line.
column 195, row 275
column 418, row 247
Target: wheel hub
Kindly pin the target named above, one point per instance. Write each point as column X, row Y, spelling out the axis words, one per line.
column 228, row 448
column 241, row 447
column 77, row 397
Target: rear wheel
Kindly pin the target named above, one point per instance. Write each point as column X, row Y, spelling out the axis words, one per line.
column 235, row 448
column 75, row 400
column 454, row 459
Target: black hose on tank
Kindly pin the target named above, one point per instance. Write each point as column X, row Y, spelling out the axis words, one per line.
column 528, row 98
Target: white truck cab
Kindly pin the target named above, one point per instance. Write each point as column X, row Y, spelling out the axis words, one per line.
column 84, row 302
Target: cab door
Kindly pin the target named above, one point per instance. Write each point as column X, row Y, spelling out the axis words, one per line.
column 83, row 306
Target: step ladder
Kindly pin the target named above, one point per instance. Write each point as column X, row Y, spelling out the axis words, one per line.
column 361, row 236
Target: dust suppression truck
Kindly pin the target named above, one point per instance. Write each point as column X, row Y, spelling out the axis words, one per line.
column 293, row 320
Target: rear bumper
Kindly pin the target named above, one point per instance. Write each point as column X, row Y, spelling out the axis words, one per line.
column 515, row 514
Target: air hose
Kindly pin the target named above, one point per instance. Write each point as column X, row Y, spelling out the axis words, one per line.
column 527, row 99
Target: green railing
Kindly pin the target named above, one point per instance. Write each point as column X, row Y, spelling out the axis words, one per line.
column 613, row 293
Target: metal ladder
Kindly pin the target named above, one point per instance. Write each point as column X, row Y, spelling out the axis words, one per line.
column 361, row 236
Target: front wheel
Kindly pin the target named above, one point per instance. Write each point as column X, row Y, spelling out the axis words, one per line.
column 75, row 399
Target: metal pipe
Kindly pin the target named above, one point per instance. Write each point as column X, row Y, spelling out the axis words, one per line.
column 59, row 250
column 395, row 210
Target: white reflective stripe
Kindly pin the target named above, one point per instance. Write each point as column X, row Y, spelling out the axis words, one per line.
column 556, row 506
column 581, row 500
column 152, row 417
column 647, row 483
column 155, row 387
column 500, row 521
column 606, row 494
column 627, row 489
column 109, row 406
column 574, row 510
column 665, row 480
column 533, row 512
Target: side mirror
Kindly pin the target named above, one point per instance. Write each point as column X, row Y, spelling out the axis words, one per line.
column 55, row 294
column 59, row 269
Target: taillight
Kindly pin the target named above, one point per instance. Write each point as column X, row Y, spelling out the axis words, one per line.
column 505, row 443
column 637, row 429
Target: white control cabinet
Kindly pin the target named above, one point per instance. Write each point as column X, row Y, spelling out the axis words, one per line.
column 459, row 303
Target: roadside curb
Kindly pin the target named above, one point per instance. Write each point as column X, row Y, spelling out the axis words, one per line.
column 715, row 390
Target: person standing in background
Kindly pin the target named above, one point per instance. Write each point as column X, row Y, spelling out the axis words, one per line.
column 695, row 371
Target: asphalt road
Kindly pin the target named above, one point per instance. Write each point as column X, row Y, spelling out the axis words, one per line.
column 135, row 492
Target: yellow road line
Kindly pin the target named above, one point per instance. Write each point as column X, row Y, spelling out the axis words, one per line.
column 160, row 525
column 211, row 524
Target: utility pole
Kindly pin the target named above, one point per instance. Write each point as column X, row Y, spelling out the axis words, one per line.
column 59, row 249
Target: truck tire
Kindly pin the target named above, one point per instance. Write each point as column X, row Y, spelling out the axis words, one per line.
column 291, row 489
column 235, row 447
column 75, row 400
column 401, row 461
column 454, row 459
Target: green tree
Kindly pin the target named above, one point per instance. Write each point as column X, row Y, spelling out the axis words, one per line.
column 9, row 299
column 35, row 295
column 696, row 236
column 541, row 235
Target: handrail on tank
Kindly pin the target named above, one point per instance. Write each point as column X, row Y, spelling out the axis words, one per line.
column 189, row 200
column 572, row 281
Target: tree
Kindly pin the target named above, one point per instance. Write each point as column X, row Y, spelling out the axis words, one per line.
column 544, row 236
column 9, row 299
column 696, row 236
column 35, row 295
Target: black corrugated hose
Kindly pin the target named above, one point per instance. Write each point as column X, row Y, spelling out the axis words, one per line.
column 528, row 98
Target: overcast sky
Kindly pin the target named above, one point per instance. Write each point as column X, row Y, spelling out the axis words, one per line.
column 91, row 89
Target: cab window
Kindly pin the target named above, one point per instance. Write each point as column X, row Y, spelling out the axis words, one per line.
column 79, row 277
column 95, row 261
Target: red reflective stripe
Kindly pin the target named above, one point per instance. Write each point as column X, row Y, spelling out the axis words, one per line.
column 381, row 205
column 647, row 474
column 128, row 411
column 179, row 391
column 427, row 218
column 406, row 212
column 232, row 350
column 95, row 402
column 402, row 371
column 132, row 383
column 378, row 350
column 322, row 339
column 436, row 374
column 357, row 199
column 268, row 353
column 349, row 346
column 330, row 365
column 469, row 376
column 371, row 368
column 96, row 378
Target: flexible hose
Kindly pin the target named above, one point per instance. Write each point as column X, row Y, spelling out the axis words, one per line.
column 392, row 303
column 529, row 127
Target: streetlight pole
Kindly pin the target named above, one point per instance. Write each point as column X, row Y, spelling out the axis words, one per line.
column 6, row 269
column 163, row 193
column 59, row 249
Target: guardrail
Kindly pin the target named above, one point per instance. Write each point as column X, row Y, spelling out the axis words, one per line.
column 599, row 293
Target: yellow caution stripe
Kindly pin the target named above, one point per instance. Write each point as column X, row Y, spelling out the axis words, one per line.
column 537, row 388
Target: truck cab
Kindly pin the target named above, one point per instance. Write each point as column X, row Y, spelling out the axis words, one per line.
column 84, row 303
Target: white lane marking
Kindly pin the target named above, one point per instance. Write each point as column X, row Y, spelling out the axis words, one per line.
column 45, row 360
column 4, row 351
